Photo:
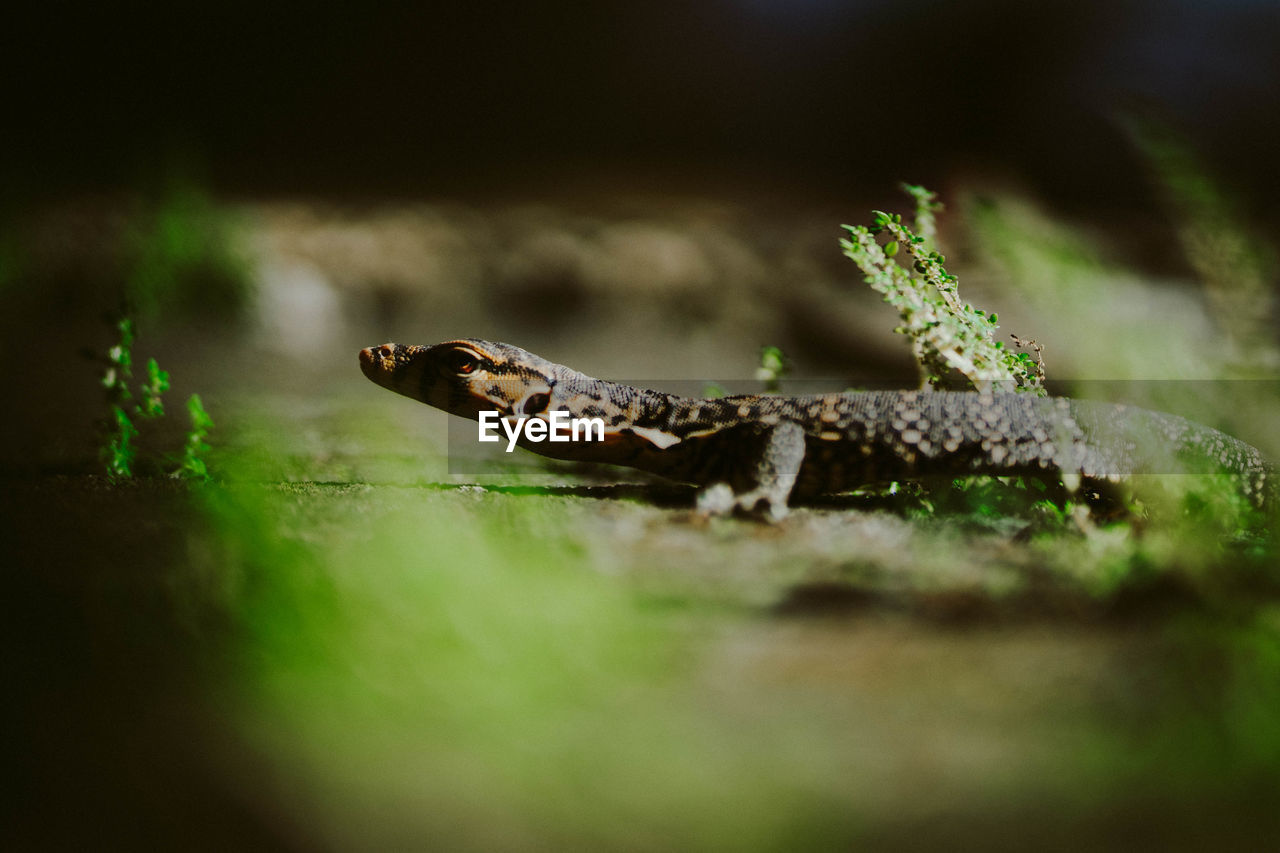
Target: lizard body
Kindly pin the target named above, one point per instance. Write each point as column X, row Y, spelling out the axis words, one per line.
column 757, row 452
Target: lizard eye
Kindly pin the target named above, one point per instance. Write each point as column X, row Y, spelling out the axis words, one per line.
column 461, row 361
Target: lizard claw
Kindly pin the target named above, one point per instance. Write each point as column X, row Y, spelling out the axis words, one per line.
column 758, row 504
column 719, row 499
column 716, row 499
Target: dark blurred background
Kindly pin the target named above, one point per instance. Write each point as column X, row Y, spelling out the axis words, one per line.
column 830, row 99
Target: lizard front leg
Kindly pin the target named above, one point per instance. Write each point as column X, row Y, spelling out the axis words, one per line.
column 777, row 463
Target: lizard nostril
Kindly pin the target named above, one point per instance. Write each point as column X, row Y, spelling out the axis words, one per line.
column 384, row 351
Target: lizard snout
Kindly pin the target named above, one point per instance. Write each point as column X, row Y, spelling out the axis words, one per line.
column 375, row 360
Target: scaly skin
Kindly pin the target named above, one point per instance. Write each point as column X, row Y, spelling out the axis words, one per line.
column 756, row 453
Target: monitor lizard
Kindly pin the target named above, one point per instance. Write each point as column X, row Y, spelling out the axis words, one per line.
column 756, row 453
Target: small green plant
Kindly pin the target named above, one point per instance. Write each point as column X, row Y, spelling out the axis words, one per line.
column 151, row 405
column 120, row 435
column 773, row 366
column 712, row 390
column 952, row 341
column 119, row 450
column 927, row 208
column 193, row 464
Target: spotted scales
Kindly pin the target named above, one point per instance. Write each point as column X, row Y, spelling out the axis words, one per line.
column 759, row 452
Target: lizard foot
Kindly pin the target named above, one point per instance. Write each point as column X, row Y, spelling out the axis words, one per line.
column 719, row 499
column 780, row 452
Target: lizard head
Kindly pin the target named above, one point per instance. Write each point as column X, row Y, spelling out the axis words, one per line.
column 465, row 376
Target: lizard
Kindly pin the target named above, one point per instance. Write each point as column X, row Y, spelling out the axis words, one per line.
column 757, row 453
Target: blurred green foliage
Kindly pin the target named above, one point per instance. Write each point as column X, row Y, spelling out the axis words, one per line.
column 773, row 367
column 1100, row 320
column 456, row 671
column 184, row 255
column 928, row 207
column 1153, row 329
column 473, row 669
column 1234, row 264
column 196, row 448
column 1104, row 321
column 465, row 669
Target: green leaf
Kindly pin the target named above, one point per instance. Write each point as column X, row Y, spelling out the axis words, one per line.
column 200, row 419
column 125, row 327
column 157, row 378
column 157, row 383
column 119, row 453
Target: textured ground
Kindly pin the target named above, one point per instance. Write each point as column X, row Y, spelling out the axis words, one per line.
column 339, row 644
column 376, row 654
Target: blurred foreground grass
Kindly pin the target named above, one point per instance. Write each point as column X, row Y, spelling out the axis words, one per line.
column 470, row 669
column 354, row 667
column 435, row 669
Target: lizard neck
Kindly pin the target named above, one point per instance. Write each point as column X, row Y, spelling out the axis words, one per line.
column 619, row 404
